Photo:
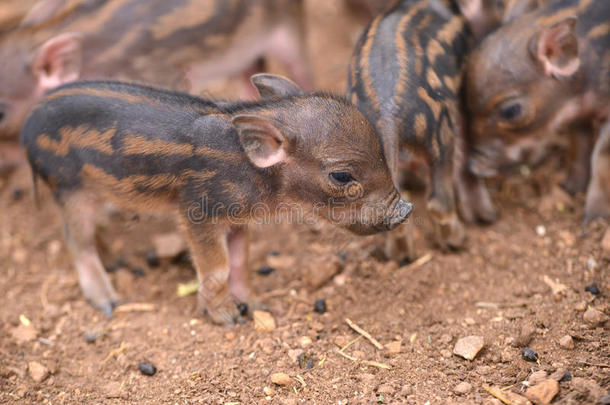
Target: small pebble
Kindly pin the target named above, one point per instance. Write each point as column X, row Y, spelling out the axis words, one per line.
column 462, row 388
column 594, row 317
column 592, row 288
column 320, row 306
column 529, row 354
column 269, row 391
column 543, row 392
column 605, row 400
column 265, row 270
column 274, row 253
column 281, row 379
column 147, row 368
column 306, row 361
column 468, row 347
column 263, row 321
column 305, row 341
column 536, row 377
column 566, row 342
column 37, row 371
column 152, row 259
column 90, row 337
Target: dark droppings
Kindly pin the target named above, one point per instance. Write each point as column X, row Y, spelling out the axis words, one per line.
column 306, row 361
column 147, row 368
column 152, row 259
column 320, row 306
column 592, row 288
column 242, row 308
column 529, row 354
column 265, row 270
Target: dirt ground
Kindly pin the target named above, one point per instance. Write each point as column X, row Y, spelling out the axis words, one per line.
column 495, row 288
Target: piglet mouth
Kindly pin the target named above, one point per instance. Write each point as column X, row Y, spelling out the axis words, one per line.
column 402, row 210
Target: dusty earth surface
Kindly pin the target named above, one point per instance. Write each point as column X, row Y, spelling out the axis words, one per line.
column 518, row 283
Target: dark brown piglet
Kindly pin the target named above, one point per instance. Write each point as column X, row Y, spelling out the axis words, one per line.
column 217, row 166
column 405, row 77
column 545, row 74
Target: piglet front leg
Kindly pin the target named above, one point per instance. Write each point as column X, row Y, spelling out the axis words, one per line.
column 209, row 250
column 582, row 139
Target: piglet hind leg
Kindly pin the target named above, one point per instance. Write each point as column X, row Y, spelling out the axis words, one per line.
column 473, row 199
column 80, row 214
column 582, row 139
column 239, row 276
column 209, row 251
column 597, row 204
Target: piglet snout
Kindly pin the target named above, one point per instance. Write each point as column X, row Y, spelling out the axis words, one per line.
column 402, row 210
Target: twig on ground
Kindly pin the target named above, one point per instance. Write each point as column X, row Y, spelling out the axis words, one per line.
column 350, row 343
column 497, row 393
column 364, row 333
column 420, row 261
column 44, row 291
column 135, row 307
column 116, row 352
column 365, row 362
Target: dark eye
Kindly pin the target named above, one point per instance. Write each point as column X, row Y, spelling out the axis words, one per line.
column 511, row 111
column 1, row 115
column 341, row 177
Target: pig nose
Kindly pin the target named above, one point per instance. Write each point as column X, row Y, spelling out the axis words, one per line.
column 402, row 210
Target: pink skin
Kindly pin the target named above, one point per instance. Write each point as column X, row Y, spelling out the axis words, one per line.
column 239, row 284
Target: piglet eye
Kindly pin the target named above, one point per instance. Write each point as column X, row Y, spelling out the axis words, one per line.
column 511, row 111
column 341, row 177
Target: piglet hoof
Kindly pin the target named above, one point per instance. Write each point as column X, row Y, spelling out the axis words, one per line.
column 487, row 214
column 107, row 307
column 450, row 234
column 399, row 245
column 225, row 311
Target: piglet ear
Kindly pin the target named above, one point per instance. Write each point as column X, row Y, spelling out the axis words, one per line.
column 557, row 48
column 262, row 140
column 269, row 86
column 58, row 61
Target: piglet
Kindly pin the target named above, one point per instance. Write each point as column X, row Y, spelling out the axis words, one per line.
column 545, row 74
column 217, row 166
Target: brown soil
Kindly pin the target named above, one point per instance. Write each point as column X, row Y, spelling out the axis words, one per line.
column 494, row 288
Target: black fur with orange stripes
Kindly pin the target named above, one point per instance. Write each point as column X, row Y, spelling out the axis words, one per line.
column 405, row 77
column 217, row 165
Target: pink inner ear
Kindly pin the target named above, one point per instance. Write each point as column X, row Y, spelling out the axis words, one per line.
column 558, row 49
column 270, row 159
column 58, row 61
